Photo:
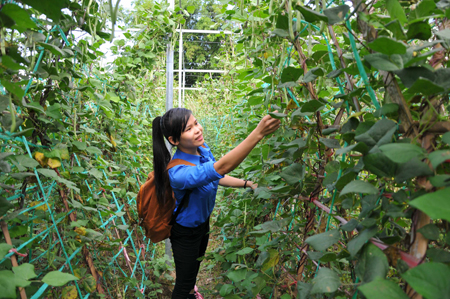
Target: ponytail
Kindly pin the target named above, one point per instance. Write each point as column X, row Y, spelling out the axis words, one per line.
column 161, row 158
column 171, row 124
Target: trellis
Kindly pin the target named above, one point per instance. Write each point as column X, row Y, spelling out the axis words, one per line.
column 44, row 193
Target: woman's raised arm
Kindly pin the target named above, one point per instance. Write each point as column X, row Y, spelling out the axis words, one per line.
column 233, row 158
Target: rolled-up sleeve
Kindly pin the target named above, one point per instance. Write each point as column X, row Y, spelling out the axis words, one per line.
column 188, row 177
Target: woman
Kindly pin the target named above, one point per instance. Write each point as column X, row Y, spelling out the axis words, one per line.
column 190, row 232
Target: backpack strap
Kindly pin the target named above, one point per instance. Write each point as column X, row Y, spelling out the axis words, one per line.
column 171, row 164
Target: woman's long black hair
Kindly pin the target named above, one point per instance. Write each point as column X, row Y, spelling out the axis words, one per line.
column 172, row 123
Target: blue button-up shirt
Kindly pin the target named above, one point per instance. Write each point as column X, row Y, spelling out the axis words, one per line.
column 204, row 181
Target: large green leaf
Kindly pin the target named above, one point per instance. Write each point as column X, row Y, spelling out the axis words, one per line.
column 396, row 11
column 292, row 174
column 310, row 15
column 324, row 240
column 384, row 62
column 4, row 249
column 326, row 281
column 431, row 280
column 25, row 271
column 358, row 147
column 425, row 87
column 336, row 14
column 411, row 169
column 402, row 152
column 356, row 243
column 430, row 231
column 57, row 278
column 388, row 46
column 331, row 143
column 359, row 187
column 20, row 16
column 419, row 30
column 291, row 74
column 381, row 288
column 436, row 204
column 9, row 282
column 52, row 9
column 380, row 165
column 311, row 106
column 438, row 157
column 372, row 264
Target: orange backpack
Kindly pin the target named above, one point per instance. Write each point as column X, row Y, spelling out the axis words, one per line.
column 154, row 218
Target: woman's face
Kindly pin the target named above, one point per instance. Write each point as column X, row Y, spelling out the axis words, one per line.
column 192, row 137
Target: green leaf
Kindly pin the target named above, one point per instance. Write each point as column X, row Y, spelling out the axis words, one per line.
column 324, row 240
column 359, row 187
column 9, row 282
column 312, row 74
column 304, row 289
column 277, row 115
column 57, row 278
column 50, row 173
column 446, row 138
column 54, row 111
column 334, row 74
column 356, row 243
column 79, row 145
column 245, row 251
column 438, row 157
column 190, row 9
column 237, row 275
column 349, row 226
column 402, row 152
column 430, row 231
column 358, row 147
column 25, row 271
column 292, row 174
column 384, row 62
column 336, row 14
column 273, row 259
column 331, row 143
column 396, row 28
column 425, row 86
column 26, row 161
column 441, row 180
column 410, row 75
column 94, row 150
column 381, row 288
column 20, row 16
column 226, row 289
column 290, row 74
column 380, row 165
column 438, row 255
column 443, row 34
column 412, row 169
column 52, row 11
column 4, row 249
column 345, row 179
column 53, row 49
column 326, row 281
column 419, row 30
column 396, row 11
column 372, row 264
column 430, row 280
column 12, row 87
column 311, row 106
column 310, row 15
column 436, row 204
column 388, row 46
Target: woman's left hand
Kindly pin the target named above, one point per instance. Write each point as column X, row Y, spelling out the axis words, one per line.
column 252, row 185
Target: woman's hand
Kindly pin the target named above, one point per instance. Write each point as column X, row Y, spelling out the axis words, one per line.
column 252, row 185
column 267, row 125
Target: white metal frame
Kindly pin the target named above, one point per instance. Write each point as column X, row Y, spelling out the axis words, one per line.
column 182, row 72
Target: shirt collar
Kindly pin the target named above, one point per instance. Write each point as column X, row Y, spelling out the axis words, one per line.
column 193, row 158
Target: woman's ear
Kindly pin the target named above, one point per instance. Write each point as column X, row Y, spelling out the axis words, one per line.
column 172, row 142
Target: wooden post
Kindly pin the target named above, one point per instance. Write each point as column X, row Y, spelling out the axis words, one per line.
column 4, row 225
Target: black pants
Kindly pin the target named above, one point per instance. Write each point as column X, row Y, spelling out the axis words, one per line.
column 188, row 244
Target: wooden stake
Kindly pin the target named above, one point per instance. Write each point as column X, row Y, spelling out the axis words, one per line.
column 4, row 225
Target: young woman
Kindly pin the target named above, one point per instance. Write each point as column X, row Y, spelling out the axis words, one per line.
column 190, row 232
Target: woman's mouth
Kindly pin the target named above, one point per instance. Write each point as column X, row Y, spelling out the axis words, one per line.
column 200, row 138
